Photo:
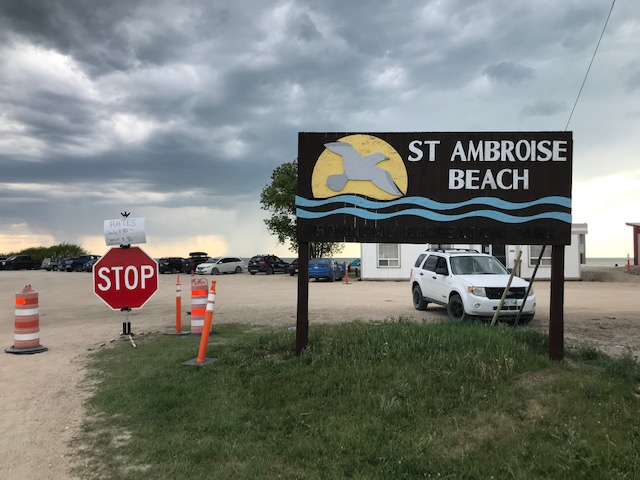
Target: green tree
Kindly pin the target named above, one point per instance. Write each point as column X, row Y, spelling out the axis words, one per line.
column 279, row 198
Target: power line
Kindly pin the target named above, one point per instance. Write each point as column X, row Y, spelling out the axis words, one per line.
column 590, row 63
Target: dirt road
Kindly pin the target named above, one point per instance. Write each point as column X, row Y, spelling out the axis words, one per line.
column 41, row 404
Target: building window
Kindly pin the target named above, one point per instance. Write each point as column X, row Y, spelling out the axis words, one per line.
column 389, row 255
column 534, row 253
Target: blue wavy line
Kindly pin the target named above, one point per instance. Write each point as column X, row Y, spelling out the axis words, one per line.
column 432, row 204
column 498, row 216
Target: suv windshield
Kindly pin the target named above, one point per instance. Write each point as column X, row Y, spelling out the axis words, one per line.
column 480, row 265
column 213, row 260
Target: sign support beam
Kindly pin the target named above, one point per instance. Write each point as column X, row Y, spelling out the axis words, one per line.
column 302, row 321
column 556, row 304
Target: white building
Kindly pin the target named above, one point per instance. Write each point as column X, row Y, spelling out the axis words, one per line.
column 393, row 261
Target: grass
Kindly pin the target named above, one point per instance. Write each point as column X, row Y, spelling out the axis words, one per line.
column 392, row 400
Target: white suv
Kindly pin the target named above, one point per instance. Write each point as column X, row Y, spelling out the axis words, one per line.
column 469, row 284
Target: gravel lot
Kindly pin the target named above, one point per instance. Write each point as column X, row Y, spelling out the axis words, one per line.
column 41, row 406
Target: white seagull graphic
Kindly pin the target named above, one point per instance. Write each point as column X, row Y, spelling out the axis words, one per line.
column 360, row 167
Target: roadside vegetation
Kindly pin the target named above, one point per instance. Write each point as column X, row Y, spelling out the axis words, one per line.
column 62, row 250
column 391, row 400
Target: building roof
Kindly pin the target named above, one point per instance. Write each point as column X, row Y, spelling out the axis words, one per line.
column 633, row 224
column 579, row 228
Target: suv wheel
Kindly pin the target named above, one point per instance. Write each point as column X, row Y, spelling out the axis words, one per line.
column 455, row 309
column 418, row 300
column 269, row 271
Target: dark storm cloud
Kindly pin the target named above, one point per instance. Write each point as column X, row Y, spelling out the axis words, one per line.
column 85, row 30
column 543, row 108
column 116, row 35
column 510, row 73
column 159, row 170
column 302, row 27
column 58, row 117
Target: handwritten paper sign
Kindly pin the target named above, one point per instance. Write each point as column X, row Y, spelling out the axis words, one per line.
column 124, row 231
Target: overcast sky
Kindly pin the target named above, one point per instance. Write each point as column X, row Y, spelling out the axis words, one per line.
column 179, row 111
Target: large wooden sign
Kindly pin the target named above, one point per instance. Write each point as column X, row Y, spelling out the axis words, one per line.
column 435, row 187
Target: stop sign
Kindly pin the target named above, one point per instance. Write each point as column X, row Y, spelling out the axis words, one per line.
column 125, row 278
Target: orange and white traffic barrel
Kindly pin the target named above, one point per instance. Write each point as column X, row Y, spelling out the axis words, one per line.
column 27, row 323
column 199, row 294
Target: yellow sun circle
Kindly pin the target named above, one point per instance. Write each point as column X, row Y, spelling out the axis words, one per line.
column 330, row 163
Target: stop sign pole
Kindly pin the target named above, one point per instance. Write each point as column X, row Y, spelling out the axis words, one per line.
column 125, row 278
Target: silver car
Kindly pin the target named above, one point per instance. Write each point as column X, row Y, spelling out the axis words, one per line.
column 216, row 265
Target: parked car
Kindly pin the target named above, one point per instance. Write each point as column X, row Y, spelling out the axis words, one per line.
column 88, row 266
column 50, row 264
column 75, row 264
column 20, row 262
column 170, row 265
column 354, row 265
column 293, row 267
column 469, row 284
column 268, row 264
column 213, row 266
column 195, row 258
column 61, row 264
column 325, row 268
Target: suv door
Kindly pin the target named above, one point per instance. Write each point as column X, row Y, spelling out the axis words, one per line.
column 226, row 265
column 441, row 280
column 434, row 279
column 223, row 265
column 236, row 263
column 278, row 264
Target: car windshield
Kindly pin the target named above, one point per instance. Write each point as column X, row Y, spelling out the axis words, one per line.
column 477, row 265
column 325, row 261
column 213, row 260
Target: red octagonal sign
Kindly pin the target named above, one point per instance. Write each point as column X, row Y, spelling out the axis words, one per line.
column 125, row 278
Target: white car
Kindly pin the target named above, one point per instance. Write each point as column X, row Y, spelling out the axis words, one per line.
column 213, row 266
column 469, row 284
